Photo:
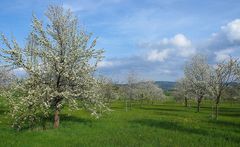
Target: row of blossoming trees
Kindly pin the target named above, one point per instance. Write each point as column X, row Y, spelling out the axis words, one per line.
column 140, row 91
column 202, row 80
column 60, row 61
column 134, row 92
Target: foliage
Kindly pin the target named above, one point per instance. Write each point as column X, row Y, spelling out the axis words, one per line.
column 231, row 93
column 149, row 91
column 6, row 78
column 197, row 72
column 108, row 90
column 202, row 79
column 221, row 77
column 59, row 60
column 183, row 90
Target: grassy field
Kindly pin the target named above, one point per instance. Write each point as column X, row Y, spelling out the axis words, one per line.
column 163, row 124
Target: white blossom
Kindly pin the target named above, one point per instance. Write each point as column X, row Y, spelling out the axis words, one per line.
column 59, row 60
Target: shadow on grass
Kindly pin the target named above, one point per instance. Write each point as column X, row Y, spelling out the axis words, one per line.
column 161, row 109
column 169, row 126
column 232, row 109
column 209, row 108
column 172, row 126
column 160, row 113
column 49, row 123
column 225, row 123
column 70, row 118
column 117, row 107
column 229, row 114
column 174, row 105
column 2, row 111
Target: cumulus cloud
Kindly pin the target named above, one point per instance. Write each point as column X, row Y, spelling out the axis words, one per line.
column 224, row 43
column 229, row 35
column 149, row 70
column 159, row 59
column 177, row 46
column 156, row 55
column 232, row 30
column 180, row 41
column 223, row 54
column 164, row 58
column 103, row 64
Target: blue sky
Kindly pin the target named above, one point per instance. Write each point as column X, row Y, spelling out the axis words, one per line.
column 153, row 38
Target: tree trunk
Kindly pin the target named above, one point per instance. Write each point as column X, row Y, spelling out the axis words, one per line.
column 126, row 105
column 141, row 103
column 141, row 100
column 198, row 106
column 212, row 111
column 130, row 100
column 44, row 121
column 198, row 103
column 56, row 118
column 216, row 105
column 216, row 111
column 130, row 105
column 186, row 101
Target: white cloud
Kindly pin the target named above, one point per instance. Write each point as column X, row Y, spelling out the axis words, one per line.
column 156, row 55
column 223, row 54
column 186, row 52
column 177, row 46
column 103, row 64
column 180, row 41
column 167, row 70
column 224, row 43
column 232, row 30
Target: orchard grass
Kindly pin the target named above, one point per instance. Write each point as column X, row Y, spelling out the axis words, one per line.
column 162, row 124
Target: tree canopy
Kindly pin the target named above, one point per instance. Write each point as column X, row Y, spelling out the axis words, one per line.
column 60, row 60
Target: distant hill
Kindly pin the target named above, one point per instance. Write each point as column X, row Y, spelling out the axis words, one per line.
column 165, row 85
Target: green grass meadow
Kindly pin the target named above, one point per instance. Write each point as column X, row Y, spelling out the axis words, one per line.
column 162, row 124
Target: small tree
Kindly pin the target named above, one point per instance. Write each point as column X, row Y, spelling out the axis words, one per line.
column 123, row 94
column 231, row 94
column 154, row 92
column 149, row 91
column 197, row 72
column 59, row 60
column 6, row 78
column 183, row 90
column 130, row 89
column 108, row 89
column 222, row 76
column 6, row 82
